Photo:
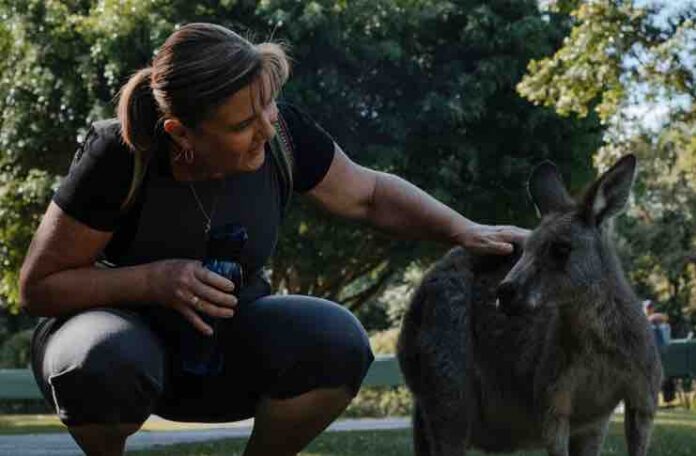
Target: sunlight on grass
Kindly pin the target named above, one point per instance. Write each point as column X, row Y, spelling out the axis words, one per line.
column 24, row 424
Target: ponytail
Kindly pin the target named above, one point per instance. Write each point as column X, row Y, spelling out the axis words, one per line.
column 137, row 111
column 138, row 115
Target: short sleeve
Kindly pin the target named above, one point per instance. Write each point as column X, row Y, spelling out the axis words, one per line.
column 313, row 148
column 99, row 178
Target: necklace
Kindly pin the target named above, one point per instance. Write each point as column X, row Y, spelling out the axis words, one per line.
column 208, row 218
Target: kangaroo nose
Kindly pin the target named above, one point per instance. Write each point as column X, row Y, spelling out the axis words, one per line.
column 506, row 293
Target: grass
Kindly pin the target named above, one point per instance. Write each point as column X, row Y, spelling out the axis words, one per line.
column 672, row 436
column 37, row 424
column 382, row 443
column 29, row 424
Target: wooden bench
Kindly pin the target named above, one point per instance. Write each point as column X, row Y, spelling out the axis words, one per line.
column 20, row 384
column 679, row 360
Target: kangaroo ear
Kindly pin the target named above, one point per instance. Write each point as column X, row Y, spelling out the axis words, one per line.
column 609, row 194
column 547, row 191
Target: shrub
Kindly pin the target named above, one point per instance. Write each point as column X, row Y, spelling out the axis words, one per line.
column 15, row 351
column 379, row 402
column 384, row 342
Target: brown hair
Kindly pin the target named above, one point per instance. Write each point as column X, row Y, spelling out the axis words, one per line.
column 196, row 69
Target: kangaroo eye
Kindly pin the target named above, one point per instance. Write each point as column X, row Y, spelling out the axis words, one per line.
column 560, row 250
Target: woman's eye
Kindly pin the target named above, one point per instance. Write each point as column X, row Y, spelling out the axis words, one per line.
column 240, row 127
column 560, row 251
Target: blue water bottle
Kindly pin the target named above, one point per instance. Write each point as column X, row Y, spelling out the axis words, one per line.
column 201, row 354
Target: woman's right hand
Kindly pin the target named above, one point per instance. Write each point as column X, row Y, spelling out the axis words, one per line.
column 188, row 287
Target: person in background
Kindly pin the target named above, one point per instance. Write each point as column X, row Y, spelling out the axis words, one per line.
column 663, row 334
column 659, row 322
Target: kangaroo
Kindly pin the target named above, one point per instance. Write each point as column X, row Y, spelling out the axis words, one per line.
column 534, row 350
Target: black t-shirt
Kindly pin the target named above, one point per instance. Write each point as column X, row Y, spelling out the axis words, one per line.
column 165, row 221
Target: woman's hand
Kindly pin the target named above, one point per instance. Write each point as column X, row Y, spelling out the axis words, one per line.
column 492, row 239
column 187, row 287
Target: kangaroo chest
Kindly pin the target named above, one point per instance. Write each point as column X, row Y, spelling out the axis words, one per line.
column 588, row 389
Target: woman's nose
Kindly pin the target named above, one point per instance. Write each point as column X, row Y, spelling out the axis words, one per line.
column 268, row 117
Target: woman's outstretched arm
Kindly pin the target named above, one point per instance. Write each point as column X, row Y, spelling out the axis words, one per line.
column 393, row 205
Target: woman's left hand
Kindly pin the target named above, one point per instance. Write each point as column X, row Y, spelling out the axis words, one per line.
column 492, row 239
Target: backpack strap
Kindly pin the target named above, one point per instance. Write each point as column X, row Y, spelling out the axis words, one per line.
column 139, row 171
column 282, row 153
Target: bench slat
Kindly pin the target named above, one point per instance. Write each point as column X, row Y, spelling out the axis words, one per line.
column 18, row 384
column 679, row 360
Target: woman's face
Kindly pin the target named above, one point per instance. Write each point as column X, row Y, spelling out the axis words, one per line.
column 232, row 139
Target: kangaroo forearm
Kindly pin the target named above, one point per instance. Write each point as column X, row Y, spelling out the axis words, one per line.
column 78, row 289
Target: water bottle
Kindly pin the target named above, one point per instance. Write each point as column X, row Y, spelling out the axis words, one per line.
column 201, row 354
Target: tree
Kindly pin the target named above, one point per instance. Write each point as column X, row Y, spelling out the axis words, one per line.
column 425, row 90
column 626, row 63
column 659, row 232
column 421, row 88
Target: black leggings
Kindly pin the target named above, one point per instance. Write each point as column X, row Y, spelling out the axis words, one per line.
column 118, row 365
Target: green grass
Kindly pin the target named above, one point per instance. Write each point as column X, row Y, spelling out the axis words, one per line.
column 25, row 424
column 673, row 436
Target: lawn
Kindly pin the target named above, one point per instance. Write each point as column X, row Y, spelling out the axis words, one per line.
column 29, row 424
column 674, row 435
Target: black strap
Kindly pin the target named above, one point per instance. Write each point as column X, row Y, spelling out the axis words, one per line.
column 282, row 153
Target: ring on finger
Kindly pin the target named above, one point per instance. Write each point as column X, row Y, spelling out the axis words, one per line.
column 196, row 302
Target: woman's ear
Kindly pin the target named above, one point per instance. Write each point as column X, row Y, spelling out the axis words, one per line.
column 178, row 132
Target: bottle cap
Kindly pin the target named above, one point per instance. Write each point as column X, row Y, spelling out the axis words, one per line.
column 226, row 242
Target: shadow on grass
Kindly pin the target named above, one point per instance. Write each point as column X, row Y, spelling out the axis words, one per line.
column 673, row 436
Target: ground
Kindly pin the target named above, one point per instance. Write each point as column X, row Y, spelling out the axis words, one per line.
column 673, row 436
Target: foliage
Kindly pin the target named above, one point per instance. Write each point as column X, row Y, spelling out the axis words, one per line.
column 426, row 91
column 21, row 202
column 635, row 67
column 614, row 49
column 379, row 402
column 15, row 351
column 657, row 237
column 420, row 88
column 384, row 342
column 387, row 310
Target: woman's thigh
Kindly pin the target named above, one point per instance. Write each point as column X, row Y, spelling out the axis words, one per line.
column 103, row 365
column 278, row 347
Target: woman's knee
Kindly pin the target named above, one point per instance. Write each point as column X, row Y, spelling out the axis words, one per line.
column 327, row 347
column 345, row 341
column 103, row 366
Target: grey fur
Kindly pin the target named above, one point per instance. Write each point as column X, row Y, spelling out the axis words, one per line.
column 537, row 349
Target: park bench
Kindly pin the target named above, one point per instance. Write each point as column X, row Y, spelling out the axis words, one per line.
column 19, row 384
column 678, row 359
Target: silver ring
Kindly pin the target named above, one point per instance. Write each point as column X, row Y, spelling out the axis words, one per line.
column 196, row 302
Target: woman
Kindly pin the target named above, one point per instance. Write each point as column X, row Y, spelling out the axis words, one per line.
column 110, row 351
